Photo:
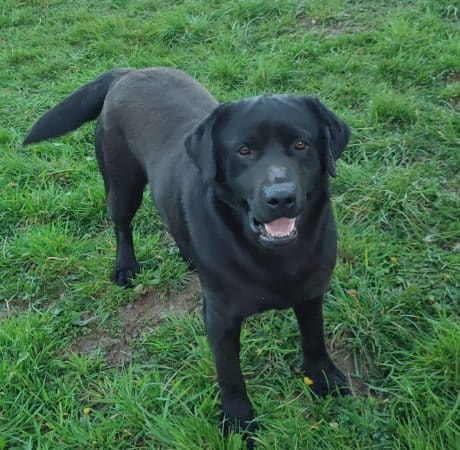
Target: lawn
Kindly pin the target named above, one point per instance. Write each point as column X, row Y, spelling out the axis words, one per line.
column 87, row 365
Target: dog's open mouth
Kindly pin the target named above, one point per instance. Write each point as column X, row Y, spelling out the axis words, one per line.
column 280, row 230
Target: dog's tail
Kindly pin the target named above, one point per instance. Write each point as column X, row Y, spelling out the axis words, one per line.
column 83, row 105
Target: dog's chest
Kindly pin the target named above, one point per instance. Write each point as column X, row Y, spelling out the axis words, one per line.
column 253, row 291
column 284, row 292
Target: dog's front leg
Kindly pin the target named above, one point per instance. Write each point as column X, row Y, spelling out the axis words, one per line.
column 224, row 337
column 320, row 372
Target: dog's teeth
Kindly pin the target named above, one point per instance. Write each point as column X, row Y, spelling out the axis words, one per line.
column 280, row 228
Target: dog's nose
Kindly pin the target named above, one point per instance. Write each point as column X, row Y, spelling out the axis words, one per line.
column 280, row 195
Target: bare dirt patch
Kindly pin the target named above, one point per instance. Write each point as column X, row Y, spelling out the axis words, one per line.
column 150, row 310
column 347, row 364
column 6, row 313
column 7, row 309
column 453, row 77
column 137, row 317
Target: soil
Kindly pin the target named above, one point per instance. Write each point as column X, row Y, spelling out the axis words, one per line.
column 137, row 317
column 347, row 364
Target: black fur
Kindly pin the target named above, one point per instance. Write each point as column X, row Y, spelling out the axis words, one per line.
column 243, row 187
column 83, row 105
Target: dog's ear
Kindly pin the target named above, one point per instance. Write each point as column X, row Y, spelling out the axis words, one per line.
column 336, row 134
column 199, row 146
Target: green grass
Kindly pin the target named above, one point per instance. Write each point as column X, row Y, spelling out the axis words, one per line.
column 392, row 70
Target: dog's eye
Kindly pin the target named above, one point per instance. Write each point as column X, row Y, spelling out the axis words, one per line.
column 244, row 150
column 301, row 145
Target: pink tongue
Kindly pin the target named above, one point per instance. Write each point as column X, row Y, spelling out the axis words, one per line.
column 280, row 227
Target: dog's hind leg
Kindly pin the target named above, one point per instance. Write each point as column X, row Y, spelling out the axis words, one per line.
column 124, row 181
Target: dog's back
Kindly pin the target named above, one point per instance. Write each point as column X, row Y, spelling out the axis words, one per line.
column 161, row 97
column 154, row 109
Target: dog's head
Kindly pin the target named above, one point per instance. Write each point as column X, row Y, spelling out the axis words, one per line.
column 268, row 157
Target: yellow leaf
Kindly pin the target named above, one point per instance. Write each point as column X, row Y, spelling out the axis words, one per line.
column 86, row 411
column 353, row 293
column 308, row 381
column 393, row 259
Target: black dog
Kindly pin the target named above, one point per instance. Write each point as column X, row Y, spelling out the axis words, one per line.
column 243, row 187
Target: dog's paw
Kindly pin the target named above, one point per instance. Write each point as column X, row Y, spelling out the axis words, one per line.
column 245, row 425
column 124, row 276
column 325, row 381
